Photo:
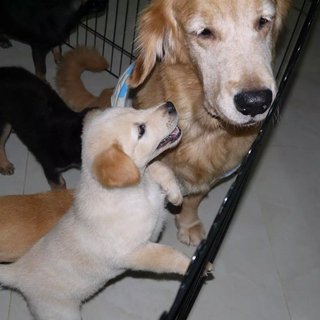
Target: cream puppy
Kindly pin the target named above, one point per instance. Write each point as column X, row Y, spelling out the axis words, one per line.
column 118, row 208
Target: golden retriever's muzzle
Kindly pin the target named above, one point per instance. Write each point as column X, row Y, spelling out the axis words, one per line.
column 252, row 103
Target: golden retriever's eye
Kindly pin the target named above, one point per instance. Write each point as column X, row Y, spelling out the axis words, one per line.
column 263, row 22
column 205, row 33
column 141, row 130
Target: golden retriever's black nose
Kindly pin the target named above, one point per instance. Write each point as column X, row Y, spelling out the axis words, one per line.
column 170, row 107
column 251, row 103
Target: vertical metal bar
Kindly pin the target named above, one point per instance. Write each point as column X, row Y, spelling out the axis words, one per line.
column 123, row 37
column 291, row 38
column 86, row 32
column 95, row 31
column 105, row 27
column 114, row 33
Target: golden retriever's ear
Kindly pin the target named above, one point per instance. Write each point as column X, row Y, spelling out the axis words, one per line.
column 113, row 168
column 158, row 38
column 282, row 8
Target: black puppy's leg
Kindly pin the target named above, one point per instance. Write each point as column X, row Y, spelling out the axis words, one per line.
column 5, row 42
column 39, row 59
column 55, row 179
column 6, row 167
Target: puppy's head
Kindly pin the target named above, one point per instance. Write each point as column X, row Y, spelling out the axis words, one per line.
column 229, row 44
column 120, row 142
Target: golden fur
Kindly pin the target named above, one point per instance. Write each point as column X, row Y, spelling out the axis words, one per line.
column 200, row 72
column 200, row 55
column 68, row 79
column 24, row 219
column 115, row 169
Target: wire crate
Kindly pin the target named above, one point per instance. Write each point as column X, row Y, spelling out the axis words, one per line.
column 111, row 32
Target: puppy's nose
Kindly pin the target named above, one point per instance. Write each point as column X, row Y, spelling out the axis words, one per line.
column 251, row 103
column 170, row 107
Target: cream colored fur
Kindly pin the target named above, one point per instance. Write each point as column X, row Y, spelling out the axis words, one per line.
column 113, row 217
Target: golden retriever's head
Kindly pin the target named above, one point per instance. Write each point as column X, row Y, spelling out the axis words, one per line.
column 119, row 142
column 229, row 43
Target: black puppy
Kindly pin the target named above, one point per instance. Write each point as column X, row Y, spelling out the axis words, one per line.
column 43, row 24
column 42, row 121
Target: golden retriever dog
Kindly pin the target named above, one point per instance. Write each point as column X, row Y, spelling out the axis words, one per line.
column 213, row 60
column 118, row 209
column 24, row 219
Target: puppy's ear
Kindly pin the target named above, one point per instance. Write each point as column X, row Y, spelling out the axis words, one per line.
column 282, row 8
column 113, row 168
column 158, row 38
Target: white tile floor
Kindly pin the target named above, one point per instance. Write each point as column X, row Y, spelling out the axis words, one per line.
column 269, row 265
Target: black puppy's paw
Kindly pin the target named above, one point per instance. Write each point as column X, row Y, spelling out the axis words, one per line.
column 5, row 43
column 7, row 169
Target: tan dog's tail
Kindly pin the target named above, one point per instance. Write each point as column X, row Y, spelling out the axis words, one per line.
column 70, row 85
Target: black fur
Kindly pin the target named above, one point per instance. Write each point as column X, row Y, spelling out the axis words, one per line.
column 43, row 24
column 42, row 121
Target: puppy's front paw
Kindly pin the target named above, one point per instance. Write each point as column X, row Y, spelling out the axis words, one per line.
column 174, row 196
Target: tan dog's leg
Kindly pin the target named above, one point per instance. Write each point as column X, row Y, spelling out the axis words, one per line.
column 165, row 177
column 190, row 228
column 158, row 258
column 6, row 167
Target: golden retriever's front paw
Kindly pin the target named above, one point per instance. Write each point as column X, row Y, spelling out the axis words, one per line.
column 192, row 234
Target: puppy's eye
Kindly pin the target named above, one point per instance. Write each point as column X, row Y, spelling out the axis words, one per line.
column 263, row 22
column 141, row 130
column 205, row 33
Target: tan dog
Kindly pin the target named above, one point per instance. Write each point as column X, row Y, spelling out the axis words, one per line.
column 24, row 219
column 118, row 208
column 68, row 79
column 213, row 60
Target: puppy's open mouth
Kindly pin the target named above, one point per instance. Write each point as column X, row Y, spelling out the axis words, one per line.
column 171, row 138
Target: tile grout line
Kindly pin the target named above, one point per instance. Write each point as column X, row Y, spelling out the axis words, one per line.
column 276, row 266
column 9, row 307
column 25, row 173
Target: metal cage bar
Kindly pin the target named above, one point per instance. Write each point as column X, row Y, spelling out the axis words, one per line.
column 111, row 32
